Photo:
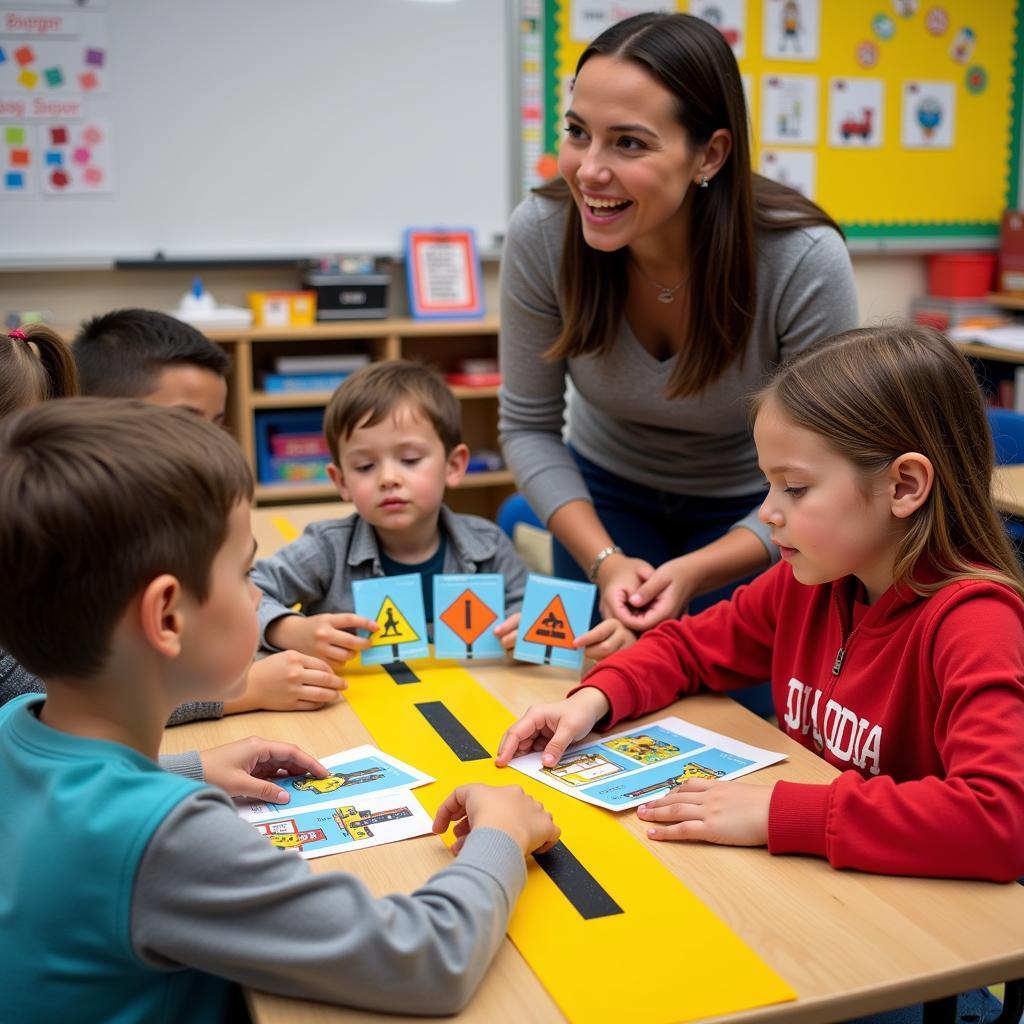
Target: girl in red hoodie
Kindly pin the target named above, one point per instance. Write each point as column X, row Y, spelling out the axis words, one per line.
column 892, row 629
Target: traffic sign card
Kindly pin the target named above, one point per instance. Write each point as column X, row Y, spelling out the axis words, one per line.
column 555, row 612
column 395, row 603
column 467, row 607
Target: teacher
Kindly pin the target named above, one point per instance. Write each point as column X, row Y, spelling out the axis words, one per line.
column 665, row 278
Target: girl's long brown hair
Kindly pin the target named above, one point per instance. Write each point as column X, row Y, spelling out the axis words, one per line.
column 692, row 60
column 34, row 367
column 877, row 392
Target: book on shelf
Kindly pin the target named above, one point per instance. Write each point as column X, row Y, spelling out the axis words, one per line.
column 345, row 363
column 1010, row 336
column 474, row 380
column 297, row 383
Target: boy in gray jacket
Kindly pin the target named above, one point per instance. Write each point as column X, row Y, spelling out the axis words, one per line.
column 394, row 430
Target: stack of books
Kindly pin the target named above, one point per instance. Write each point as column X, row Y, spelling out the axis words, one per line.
column 297, row 374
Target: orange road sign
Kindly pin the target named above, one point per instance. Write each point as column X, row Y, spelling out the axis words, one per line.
column 551, row 628
column 468, row 616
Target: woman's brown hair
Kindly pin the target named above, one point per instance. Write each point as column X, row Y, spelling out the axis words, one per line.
column 877, row 392
column 35, row 364
column 693, row 61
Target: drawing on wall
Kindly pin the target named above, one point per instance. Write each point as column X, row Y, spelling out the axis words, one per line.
column 962, row 47
column 792, row 29
column 75, row 157
column 729, row 17
column 17, row 160
column 792, row 167
column 856, row 109
column 591, row 17
column 928, row 115
column 789, row 110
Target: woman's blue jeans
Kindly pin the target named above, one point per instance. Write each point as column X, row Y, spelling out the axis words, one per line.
column 658, row 526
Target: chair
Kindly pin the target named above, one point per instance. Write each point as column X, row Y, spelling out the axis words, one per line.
column 1008, row 438
column 532, row 541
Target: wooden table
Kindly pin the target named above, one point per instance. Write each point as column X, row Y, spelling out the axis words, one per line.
column 267, row 522
column 848, row 943
column 1008, row 489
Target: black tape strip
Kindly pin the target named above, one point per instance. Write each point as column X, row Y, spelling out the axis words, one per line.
column 463, row 743
column 576, row 883
column 400, row 672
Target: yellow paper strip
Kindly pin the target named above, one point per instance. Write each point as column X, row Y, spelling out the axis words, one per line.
column 670, row 957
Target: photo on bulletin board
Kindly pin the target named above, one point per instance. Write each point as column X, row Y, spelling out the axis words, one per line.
column 878, row 110
column 443, row 270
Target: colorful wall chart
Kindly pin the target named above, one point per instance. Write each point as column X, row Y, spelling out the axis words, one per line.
column 900, row 117
column 55, row 131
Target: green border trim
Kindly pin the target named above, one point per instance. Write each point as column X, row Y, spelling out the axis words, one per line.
column 957, row 229
column 553, row 119
column 1017, row 83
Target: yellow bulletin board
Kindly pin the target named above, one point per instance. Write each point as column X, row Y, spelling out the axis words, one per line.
column 918, row 183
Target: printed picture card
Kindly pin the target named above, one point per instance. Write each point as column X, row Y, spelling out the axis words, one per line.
column 395, row 603
column 555, row 612
column 467, row 607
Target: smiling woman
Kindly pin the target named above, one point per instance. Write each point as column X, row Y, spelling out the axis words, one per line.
column 665, row 279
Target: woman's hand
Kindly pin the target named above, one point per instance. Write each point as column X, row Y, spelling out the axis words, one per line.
column 664, row 594
column 727, row 813
column 619, row 576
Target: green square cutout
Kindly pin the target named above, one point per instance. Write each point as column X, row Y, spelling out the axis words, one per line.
column 14, row 136
column 54, row 76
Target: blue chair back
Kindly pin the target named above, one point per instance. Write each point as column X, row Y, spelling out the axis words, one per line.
column 1007, row 435
column 1008, row 438
column 515, row 509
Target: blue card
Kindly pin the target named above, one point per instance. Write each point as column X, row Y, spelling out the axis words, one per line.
column 395, row 603
column 555, row 612
column 467, row 607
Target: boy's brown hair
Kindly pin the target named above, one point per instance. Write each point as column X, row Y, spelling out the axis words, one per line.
column 97, row 498
column 373, row 392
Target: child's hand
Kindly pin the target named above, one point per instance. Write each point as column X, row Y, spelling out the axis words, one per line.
column 728, row 813
column 605, row 638
column 552, row 727
column 322, row 636
column 246, row 767
column 506, row 631
column 506, row 808
column 287, row 681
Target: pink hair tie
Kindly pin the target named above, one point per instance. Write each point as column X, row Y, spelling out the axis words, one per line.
column 18, row 335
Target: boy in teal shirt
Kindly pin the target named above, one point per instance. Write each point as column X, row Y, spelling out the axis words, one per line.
column 137, row 895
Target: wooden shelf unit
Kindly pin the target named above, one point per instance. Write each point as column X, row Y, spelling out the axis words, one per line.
column 438, row 343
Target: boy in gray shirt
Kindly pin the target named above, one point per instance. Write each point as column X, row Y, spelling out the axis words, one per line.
column 394, row 430
column 140, row 895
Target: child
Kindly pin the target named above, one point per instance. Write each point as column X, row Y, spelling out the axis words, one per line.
column 35, row 364
column 139, row 353
column 125, row 545
column 394, row 430
column 892, row 630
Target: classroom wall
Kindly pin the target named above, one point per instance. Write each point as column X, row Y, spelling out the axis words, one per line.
column 885, row 285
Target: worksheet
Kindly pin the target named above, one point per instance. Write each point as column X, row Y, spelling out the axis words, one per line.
column 641, row 764
column 365, row 801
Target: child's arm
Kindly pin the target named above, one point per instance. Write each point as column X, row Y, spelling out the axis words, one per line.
column 287, row 681
column 212, row 894
column 960, row 813
column 328, row 635
column 248, row 767
column 299, row 574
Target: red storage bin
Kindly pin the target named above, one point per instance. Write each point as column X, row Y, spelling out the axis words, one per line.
column 961, row 275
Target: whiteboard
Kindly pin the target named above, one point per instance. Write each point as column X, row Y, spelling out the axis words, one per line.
column 256, row 128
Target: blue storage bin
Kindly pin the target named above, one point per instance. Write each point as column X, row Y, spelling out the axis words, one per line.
column 273, row 470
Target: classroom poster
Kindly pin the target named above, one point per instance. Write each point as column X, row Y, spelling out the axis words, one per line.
column 55, row 84
column 637, row 765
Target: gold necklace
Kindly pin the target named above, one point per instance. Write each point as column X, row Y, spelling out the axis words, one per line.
column 665, row 294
